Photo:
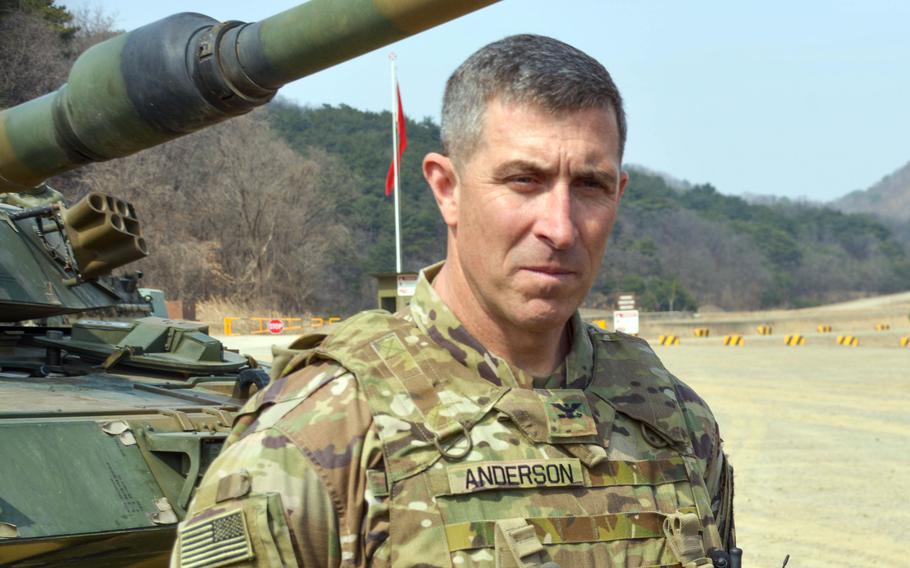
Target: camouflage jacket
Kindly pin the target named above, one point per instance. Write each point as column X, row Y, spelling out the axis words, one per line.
column 324, row 462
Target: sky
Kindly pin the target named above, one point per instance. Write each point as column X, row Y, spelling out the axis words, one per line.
column 804, row 99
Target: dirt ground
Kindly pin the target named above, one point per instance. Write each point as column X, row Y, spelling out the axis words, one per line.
column 820, row 440
column 819, row 436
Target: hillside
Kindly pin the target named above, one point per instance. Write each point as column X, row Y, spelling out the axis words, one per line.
column 676, row 245
column 889, row 198
column 361, row 141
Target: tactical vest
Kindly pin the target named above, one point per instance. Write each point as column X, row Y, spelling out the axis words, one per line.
column 479, row 474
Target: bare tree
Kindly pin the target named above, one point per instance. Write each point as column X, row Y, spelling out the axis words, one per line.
column 32, row 61
column 232, row 212
column 713, row 262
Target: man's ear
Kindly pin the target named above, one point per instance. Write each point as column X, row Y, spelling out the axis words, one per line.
column 623, row 180
column 439, row 172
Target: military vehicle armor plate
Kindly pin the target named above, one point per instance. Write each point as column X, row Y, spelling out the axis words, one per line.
column 105, row 426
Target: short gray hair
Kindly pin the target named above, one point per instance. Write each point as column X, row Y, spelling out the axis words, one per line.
column 525, row 69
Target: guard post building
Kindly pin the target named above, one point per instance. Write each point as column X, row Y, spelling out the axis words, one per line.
column 394, row 290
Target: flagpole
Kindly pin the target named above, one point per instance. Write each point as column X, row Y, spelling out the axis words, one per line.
column 395, row 164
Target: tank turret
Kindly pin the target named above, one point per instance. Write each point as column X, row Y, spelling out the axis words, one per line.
column 188, row 71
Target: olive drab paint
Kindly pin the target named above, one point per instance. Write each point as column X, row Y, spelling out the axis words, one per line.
column 188, row 71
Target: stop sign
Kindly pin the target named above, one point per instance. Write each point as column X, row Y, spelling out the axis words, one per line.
column 276, row 326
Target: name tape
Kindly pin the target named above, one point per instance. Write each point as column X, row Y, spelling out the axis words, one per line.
column 487, row 475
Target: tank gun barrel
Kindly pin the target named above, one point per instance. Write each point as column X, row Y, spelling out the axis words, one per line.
column 188, row 71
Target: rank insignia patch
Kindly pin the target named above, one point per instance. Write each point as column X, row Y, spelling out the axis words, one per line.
column 568, row 413
column 215, row 542
column 568, row 410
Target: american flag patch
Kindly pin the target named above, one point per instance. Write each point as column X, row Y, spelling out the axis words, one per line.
column 217, row 541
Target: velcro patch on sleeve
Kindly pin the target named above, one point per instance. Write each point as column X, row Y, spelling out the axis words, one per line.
column 518, row 474
column 216, row 541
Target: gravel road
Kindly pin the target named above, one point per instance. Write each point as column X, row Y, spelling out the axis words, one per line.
column 820, row 440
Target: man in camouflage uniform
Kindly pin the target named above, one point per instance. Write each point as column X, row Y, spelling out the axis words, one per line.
column 486, row 425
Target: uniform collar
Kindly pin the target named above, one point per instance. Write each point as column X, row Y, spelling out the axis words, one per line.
column 435, row 319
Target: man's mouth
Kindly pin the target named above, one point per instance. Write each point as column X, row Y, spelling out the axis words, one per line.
column 550, row 271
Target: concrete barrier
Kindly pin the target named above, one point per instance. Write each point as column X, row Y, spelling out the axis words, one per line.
column 764, row 329
column 794, row 339
column 824, row 328
column 701, row 332
column 668, row 340
column 734, row 341
column 848, row 340
column 882, row 326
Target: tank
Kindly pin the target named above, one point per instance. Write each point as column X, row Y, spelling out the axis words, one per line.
column 107, row 425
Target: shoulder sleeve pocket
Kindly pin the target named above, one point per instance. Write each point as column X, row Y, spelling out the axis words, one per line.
column 252, row 531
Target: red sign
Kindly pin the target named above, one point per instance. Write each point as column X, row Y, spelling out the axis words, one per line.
column 276, row 326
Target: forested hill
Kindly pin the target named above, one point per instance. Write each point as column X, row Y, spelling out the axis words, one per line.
column 677, row 248
column 362, row 142
column 889, row 198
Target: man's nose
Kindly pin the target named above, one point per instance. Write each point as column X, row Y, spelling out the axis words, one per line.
column 554, row 224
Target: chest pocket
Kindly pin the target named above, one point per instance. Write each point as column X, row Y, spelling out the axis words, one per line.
column 539, row 486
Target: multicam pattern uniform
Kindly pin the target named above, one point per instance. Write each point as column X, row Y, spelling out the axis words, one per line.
column 404, row 442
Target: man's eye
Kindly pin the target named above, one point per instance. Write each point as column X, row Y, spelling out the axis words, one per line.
column 522, row 182
column 596, row 185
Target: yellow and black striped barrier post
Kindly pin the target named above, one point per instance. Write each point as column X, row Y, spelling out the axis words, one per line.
column 882, row 326
column 668, row 340
column 263, row 325
column 905, row 342
column 794, row 339
column 764, row 329
column 848, row 340
column 825, row 328
column 734, row 341
column 701, row 332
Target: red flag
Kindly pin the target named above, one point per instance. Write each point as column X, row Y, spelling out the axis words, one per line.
column 402, row 144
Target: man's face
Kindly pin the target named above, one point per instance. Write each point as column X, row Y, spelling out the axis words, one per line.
column 531, row 210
